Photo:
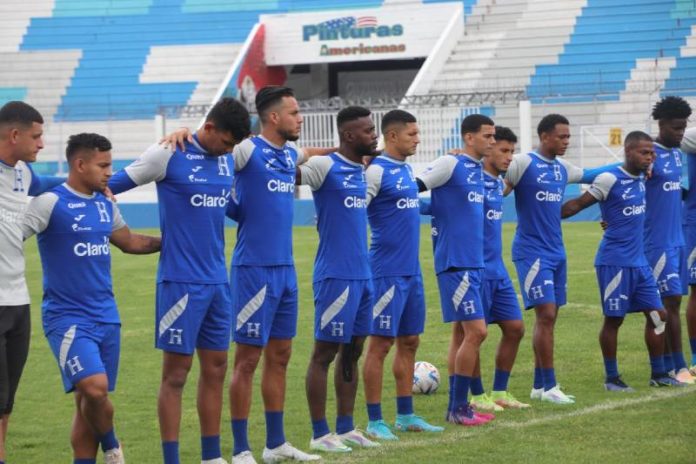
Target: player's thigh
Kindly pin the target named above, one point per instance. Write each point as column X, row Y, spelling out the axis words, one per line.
column 646, row 295
column 214, row 332
column 336, row 306
column 77, row 351
column 181, row 308
column 110, row 351
column 560, row 281
column 413, row 317
column 669, row 268
column 389, row 294
column 615, row 290
column 503, row 303
column 537, row 281
column 284, row 323
column 255, row 296
column 460, row 294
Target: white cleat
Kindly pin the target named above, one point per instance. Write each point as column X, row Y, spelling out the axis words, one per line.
column 287, row 452
column 536, row 393
column 245, row 457
column 556, row 396
column 114, row 456
column 355, row 438
column 215, row 461
column 329, row 443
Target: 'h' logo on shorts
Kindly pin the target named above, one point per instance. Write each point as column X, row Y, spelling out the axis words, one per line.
column 384, row 322
column 254, row 329
column 74, row 365
column 337, row 329
column 175, row 336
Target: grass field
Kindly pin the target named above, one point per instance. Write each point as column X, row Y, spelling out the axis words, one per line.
column 647, row 426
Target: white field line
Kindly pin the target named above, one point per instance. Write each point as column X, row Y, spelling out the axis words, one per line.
column 455, row 436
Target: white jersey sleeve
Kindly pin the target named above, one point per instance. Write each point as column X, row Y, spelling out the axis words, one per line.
column 574, row 173
column 38, row 214
column 315, row 170
column 602, row 185
column 688, row 144
column 151, row 166
column 439, row 172
column 517, row 167
column 301, row 155
column 118, row 222
column 242, row 153
column 373, row 177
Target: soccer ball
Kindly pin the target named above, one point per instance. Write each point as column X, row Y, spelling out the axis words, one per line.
column 426, row 378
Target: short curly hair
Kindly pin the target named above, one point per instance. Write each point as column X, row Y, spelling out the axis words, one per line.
column 671, row 107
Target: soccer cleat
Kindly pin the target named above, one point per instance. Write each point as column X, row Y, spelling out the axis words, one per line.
column 245, row 457
column 329, row 443
column 617, row 385
column 216, row 461
column 556, row 396
column 380, row 430
column 287, row 452
column 114, row 456
column 536, row 393
column 692, row 370
column 483, row 402
column 465, row 415
column 684, row 376
column 413, row 423
column 356, row 438
column 665, row 381
column 507, row 401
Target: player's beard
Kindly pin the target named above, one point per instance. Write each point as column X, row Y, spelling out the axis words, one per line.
column 289, row 136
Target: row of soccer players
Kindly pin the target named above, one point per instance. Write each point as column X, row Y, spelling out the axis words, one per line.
column 267, row 316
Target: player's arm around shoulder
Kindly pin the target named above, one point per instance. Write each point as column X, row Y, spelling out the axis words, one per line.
column 313, row 172
column 373, row 178
column 128, row 242
column 598, row 191
column 519, row 164
column 151, row 166
column 38, row 214
column 437, row 174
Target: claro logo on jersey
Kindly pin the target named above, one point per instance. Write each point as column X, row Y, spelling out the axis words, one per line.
column 407, row 203
column 494, row 215
column 275, row 185
column 355, row 202
column 671, row 186
column 203, row 200
column 544, row 195
column 634, row 210
column 475, row 197
column 92, row 249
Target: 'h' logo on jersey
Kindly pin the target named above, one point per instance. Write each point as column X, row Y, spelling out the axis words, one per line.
column 103, row 213
column 223, row 168
column 557, row 172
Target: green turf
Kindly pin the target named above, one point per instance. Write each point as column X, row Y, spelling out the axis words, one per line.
column 647, row 426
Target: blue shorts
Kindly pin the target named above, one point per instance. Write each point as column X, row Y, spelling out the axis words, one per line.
column 669, row 270
column 500, row 301
column 191, row 316
column 542, row 280
column 399, row 307
column 342, row 309
column 264, row 303
column 460, row 294
column 83, row 350
column 690, row 253
column 627, row 290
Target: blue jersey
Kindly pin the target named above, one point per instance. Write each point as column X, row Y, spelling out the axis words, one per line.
column 493, row 228
column 621, row 199
column 539, row 185
column 263, row 202
column 73, row 236
column 689, row 178
column 339, row 189
column 393, row 213
column 194, row 190
column 663, row 200
column 457, row 188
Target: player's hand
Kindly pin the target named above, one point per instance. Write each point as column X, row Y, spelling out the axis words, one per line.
column 604, row 224
column 456, row 151
column 178, row 137
column 109, row 194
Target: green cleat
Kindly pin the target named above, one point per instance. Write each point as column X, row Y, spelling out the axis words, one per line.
column 483, row 402
column 507, row 401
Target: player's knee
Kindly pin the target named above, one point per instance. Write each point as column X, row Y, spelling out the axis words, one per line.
column 214, row 369
column 409, row 343
column 279, row 357
column 379, row 347
column 325, row 354
column 514, row 330
column 175, row 378
column 475, row 335
column 92, row 390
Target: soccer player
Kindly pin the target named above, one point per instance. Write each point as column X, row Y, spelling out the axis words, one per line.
column 342, row 279
column 75, row 223
column 193, row 296
column 498, row 295
column 398, row 313
column 626, row 282
column 21, row 132
column 457, row 188
column 664, row 238
column 688, row 147
column 539, row 180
